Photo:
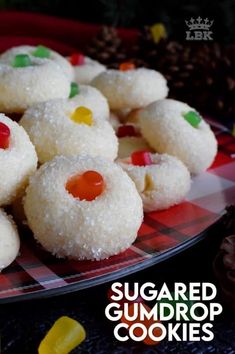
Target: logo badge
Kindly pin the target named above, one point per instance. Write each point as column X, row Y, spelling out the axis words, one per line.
column 199, row 29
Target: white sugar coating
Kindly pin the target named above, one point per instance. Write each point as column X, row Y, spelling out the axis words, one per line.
column 9, row 240
column 131, row 89
column 17, row 163
column 114, row 121
column 162, row 184
column 22, row 87
column 93, row 99
column 167, row 131
column 128, row 144
column 69, row 227
column 53, row 132
column 84, row 74
column 65, row 66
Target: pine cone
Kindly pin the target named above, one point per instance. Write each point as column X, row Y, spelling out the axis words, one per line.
column 107, row 47
column 224, row 264
column 201, row 74
column 229, row 220
column 145, row 48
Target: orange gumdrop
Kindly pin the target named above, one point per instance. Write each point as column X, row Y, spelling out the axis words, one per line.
column 126, row 66
column 146, row 322
column 131, row 312
column 157, row 332
column 87, row 186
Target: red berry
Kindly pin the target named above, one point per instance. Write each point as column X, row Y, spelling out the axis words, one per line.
column 141, row 158
column 77, row 59
column 4, row 136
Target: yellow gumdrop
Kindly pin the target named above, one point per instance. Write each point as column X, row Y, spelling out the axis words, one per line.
column 63, row 337
column 158, row 32
column 82, row 115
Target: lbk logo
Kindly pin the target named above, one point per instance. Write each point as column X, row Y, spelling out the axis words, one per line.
column 199, row 30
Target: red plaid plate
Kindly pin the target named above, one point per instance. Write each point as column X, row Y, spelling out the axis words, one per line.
column 36, row 273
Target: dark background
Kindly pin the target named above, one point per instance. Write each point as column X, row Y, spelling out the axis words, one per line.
column 136, row 13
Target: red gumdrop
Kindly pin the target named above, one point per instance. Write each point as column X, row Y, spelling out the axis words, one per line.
column 86, row 186
column 126, row 130
column 77, row 59
column 4, row 136
column 141, row 158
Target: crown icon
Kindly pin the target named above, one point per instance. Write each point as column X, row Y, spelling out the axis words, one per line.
column 199, row 24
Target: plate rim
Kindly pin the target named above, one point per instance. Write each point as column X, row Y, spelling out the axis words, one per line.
column 131, row 269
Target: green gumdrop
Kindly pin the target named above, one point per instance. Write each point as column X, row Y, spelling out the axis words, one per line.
column 21, row 61
column 192, row 118
column 41, row 52
column 74, row 89
column 173, row 303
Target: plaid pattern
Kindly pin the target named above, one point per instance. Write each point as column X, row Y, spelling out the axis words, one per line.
column 37, row 273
